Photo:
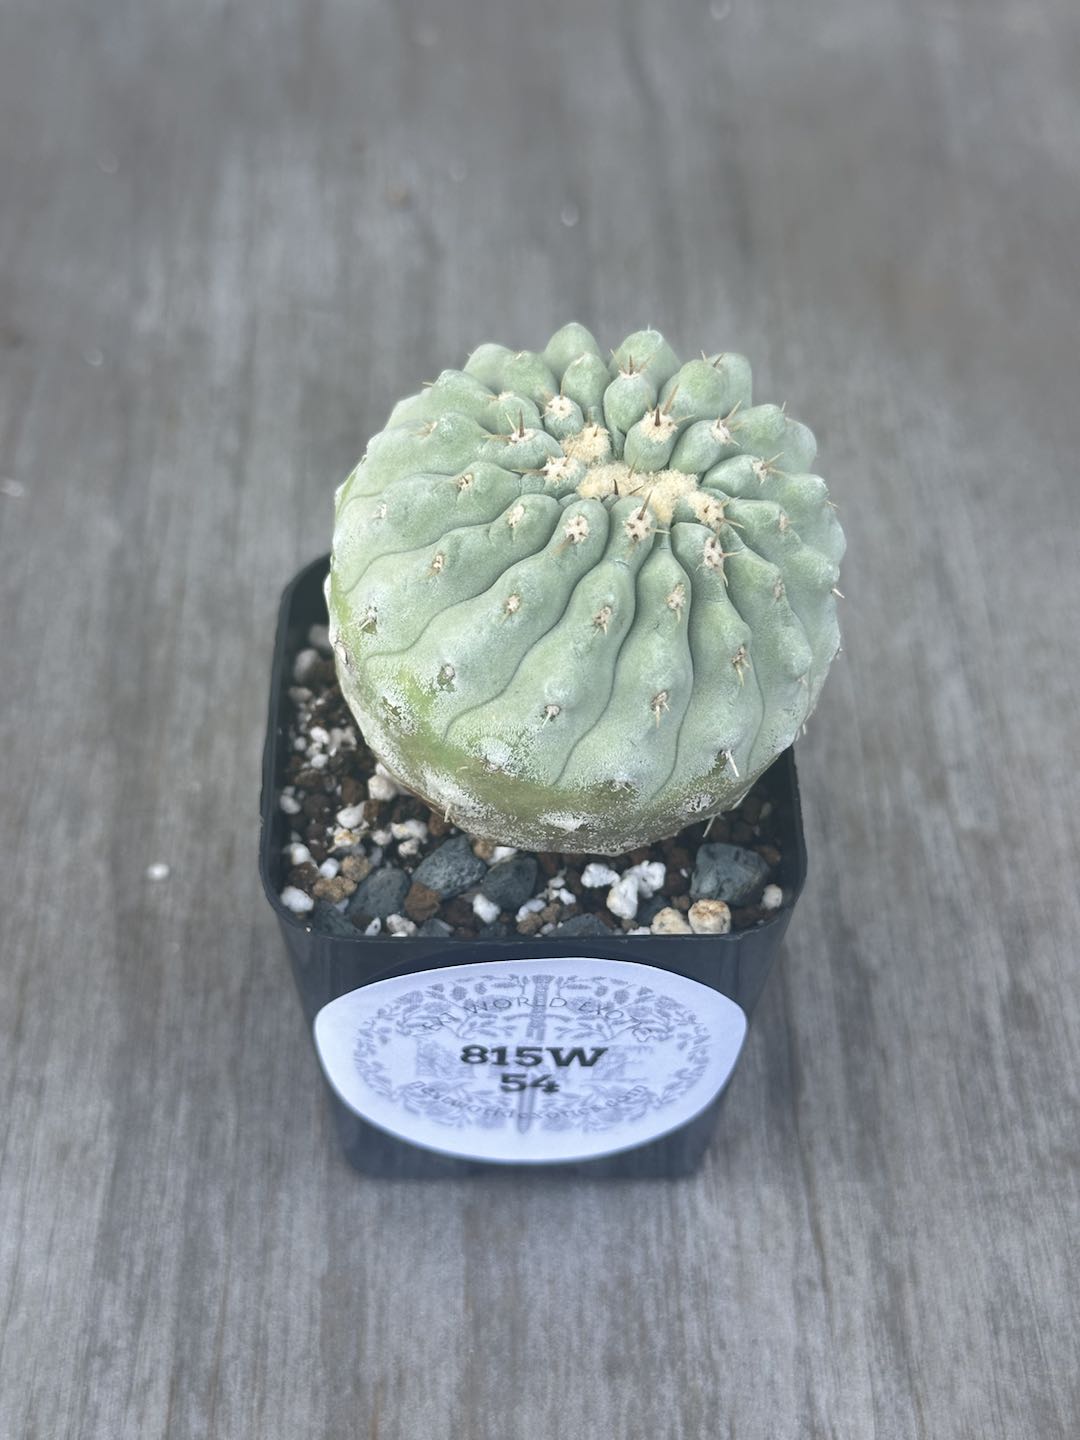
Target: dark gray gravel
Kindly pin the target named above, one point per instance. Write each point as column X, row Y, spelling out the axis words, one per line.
column 727, row 872
column 381, row 894
column 582, row 925
column 330, row 921
column 451, row 869
column 434, row 929
column 511, row 882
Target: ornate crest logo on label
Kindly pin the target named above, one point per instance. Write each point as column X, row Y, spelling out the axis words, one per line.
column 530, row 1061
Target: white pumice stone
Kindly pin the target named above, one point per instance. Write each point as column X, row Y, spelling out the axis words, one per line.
column 382, row 836
column 299, row 694
column 670, row 921
column 329, row 868
column 531, row 907
column 485, row 909
column 400, row 926
column 650, row 875
column 374, row 927
column 350, row 817
column 318, row 761
column 319, row 735
column 408, row 848
column 622, row 899
column 296, row 901
column 299, row 744
column 709, row 917
column 409, row 830
column 594, row 876
column 303, row 665
column 381, row 787
column 772, row 897
column 566, row 896
column 345, row 841
column 503, row 852
column 290, row 804
column 319, row 637
column 639, row 930
column 298, row 854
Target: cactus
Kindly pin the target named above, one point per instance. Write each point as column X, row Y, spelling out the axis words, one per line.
column 577, row 604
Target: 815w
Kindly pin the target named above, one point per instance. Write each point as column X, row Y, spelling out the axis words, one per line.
column 529, row 1055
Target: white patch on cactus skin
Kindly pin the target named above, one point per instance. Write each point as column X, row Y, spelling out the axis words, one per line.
column 589, row 445
column 708, row 509
column 721, row 433
column 512, row 604
column 639, row 526
column 464, row 482
column 515, row 515
column 557, row 468
column 658, row 426
column 522, row 435
column 438, row 563
column 576, row 529
column 665, row 489
column 602, row 618
column 559, row 820
column 676, row 600
column 496, row 755
column 659, row 704
column 602, row 481
column 559, row 407
column 714, row 555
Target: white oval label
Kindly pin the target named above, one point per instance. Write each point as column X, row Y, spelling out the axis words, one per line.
column 530, row 1061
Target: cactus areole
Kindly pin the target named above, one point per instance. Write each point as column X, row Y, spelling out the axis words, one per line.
column 578, row 603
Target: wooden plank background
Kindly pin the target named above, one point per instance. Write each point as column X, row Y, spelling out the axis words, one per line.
column 231, row 234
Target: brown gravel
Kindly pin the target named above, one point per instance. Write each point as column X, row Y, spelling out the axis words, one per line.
column 355, row 867
column 334, row 889
column 421, row 903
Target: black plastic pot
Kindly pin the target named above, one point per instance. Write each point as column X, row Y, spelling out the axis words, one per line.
column 326, row 967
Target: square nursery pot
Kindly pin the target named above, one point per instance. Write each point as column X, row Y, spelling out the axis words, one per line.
column 599, row 1056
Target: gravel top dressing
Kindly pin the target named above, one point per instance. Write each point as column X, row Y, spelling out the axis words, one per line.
column 367, row 859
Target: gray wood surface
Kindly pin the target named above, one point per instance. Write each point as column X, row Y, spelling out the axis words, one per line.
column 230, row 236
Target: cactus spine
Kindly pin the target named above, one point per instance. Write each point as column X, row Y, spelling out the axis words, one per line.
column 577, row 604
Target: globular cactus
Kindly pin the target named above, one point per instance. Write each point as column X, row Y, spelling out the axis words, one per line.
column 578, row 603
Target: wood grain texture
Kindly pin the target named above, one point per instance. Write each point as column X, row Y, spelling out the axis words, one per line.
column 230, row 236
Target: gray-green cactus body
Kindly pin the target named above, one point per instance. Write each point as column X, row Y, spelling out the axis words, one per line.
column 576, row 603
